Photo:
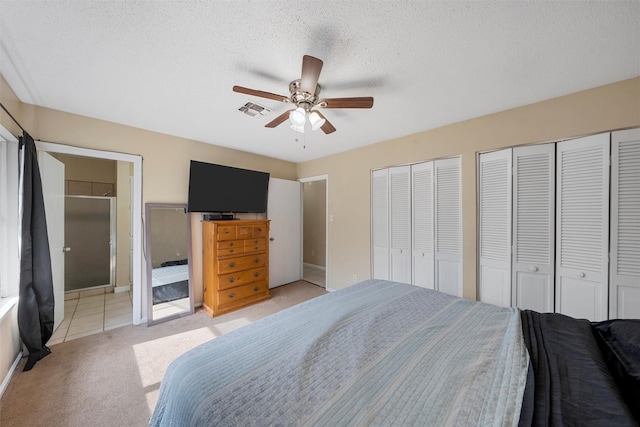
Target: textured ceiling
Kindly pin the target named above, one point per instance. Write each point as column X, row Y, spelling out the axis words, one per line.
column 169, row 66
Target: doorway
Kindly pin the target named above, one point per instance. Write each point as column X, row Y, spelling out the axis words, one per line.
column 314, row 229
column 132, row 167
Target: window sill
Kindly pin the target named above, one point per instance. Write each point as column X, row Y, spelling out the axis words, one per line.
column 6, row 304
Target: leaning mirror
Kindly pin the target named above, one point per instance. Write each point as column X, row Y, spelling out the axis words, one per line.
column 168, row 254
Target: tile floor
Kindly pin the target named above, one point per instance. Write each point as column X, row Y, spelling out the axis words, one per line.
column 92, row 311
column 314, row 275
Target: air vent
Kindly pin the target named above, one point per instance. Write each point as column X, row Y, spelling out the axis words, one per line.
column 254, row 110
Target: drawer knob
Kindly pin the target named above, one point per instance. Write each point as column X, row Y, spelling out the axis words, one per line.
column 256, row 289
column 230, row 244
column 232, row 264
column 231, row 295
column 231, row 280
column 257, row 260
column 230, row 251
column 255, row 248
column 256, row 274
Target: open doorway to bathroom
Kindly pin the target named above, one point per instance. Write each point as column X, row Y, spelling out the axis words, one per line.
column 314, row 230
column 97, row 223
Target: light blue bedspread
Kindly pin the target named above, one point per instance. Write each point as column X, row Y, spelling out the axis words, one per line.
column 377, row 353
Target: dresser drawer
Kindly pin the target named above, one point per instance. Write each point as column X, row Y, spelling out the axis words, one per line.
column 235, row 295
column 243, row 231
column 259, row 231
column 230, row 247
column 231, row 265
column 226, row 281
column 226, row 232
column 255, row 245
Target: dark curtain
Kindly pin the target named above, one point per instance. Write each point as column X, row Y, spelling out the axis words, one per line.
column 35, row 305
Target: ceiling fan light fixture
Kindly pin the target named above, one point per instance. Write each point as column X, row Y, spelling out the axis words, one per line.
column 316, row 121
column 298, row 117
column 298, row 128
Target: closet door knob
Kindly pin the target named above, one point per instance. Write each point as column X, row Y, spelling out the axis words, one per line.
column 581, row 274
column 533, row 268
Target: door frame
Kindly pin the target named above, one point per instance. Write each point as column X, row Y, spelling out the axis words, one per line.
column 139, row 291
column 325, row 178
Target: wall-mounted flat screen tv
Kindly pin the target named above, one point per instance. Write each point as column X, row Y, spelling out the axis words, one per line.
column 217, row 188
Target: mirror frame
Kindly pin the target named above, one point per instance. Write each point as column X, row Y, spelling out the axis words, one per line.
column 148, row 208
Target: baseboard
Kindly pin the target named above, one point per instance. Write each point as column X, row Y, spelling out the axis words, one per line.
column 330, row 289
column 123, row 288
column 317, row 267
column 7, row 378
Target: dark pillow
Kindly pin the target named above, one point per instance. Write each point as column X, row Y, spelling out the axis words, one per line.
column 619, row 341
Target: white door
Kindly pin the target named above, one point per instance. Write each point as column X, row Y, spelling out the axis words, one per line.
column 52, row 174
column 624, row 297
column 582, row 227
column 285, row 235
column 448, row 230
column 422, row 220
column 400, row 218
column 533, row 227
column 495, row 228
column 380, row 224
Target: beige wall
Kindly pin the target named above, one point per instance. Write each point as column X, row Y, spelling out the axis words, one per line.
column 80, row 168
column 314, row 223
column 610, row 107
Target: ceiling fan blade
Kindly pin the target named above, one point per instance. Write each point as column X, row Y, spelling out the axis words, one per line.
column 326, row 127
column 311, row 68
column 261, row 94
column 281, row 118
column 361, row 102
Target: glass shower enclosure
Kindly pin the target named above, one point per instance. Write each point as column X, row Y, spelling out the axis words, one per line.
column 90, row 243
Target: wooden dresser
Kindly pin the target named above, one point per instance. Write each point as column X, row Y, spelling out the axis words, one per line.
column 235, row 264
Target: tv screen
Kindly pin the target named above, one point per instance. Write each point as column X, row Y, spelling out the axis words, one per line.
column 217, row 188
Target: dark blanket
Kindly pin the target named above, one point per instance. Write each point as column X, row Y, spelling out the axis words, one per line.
column 571, row 382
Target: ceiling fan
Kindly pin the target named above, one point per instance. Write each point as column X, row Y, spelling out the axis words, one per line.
column 305, row 95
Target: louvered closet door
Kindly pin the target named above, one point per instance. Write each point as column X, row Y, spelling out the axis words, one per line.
column 582, row 227
column 422, row 219
column 495, row 228
column 533, row 227
column 400, row 226
column 624, row 297
column 448, row 230
column 380, row 224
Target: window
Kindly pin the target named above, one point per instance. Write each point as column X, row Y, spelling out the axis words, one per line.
column 9, row 222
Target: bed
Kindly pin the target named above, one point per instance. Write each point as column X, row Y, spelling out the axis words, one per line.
column 386, row 353
column 170, row 282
